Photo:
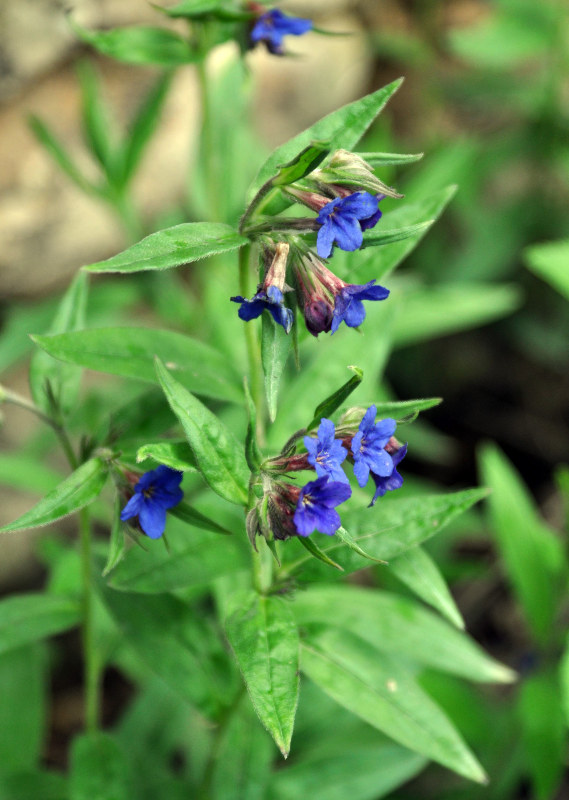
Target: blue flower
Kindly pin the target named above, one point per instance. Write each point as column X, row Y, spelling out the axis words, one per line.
column 272, row 26
column 272, row 301
column 391, row 482
column 343, row 221
column 326, row 453
column 155, row 492
column 368, row 447
column 349, row 308
column 315, row 507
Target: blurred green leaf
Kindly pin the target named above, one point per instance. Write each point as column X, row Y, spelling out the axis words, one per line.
column 34, row 786
column 99, row 769
column 139, row 45
column 219, row 456
column 264, row 638
column 532, row 554
column 549, row 261
column 384, row 694
column 342, row 128
column 52, row 378
column 425, row 313
column 96, row 119
column 26, row 472
column 417, row 570
column 173, row 247
column 130, row 353
column 23, row 712
column 275, row 347
column 75, row 492
column 26, row 618
column 400, row 627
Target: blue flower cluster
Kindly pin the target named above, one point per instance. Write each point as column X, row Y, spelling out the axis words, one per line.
column 271, row 27
column 271, row 300
column 155, row 492
column 343, row 221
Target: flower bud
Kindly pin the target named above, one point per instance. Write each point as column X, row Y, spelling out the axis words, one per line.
column 349, row 169
column 318, row 314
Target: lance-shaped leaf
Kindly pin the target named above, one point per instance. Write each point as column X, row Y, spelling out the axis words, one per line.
column 252, row 452
column 402, row 524
column 130, row 353
column 405, row 410
column 313, row 548
column 50, row 378
column 219, row 456
column 76, row 491
column 384, row 694
column 350, row 542
column 302, row 164
column 191, row 516
column 96, row 118
column 173, row 247
column 117, row 544
column 399, row 626
column 99, row 769
column 275, row 347
column 176, row 454
column 140, row 45
column 390, row 159
column 382, row 236
column 264, row 638
column 342, row 129
column 26, row 618
column 327, row 407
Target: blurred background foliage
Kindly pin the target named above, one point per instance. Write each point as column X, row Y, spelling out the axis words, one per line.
column 480, row 318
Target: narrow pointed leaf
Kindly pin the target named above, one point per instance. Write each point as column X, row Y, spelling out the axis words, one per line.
column 96, row 118
column 75, row 492
column 139, row 45
column 275, row 348
column 130, row 353
column 349, row 541
column 173, row 247
column 379, row 237
column 390, row 159
column 304, row 163
column 334, row 401
column 252, row 452
column 314, row 550
column 404, row 410
column 219, row 456
column 191, row 516
column 26, row 618
column 176, row 454
column 264, row 639
column 117, row 544
column 385, row 695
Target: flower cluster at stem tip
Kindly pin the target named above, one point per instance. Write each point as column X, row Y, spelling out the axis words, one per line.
column 155, row 492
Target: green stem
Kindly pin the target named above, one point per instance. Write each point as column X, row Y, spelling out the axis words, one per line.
column 91, row 670
column 128, row 215
column 207, row 127
column 252, row 344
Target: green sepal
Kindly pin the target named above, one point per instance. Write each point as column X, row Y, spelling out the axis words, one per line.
column 390, row 159
column 302, row 164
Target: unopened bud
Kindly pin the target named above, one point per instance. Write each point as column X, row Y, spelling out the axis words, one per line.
column 318, row 314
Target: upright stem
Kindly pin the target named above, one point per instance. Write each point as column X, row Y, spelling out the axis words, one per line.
column 91, row 671
column 252, row 344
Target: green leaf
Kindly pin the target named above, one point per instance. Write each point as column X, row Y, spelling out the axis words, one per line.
column 314, row 550
column 173, row 247
column 23, row 712
column 75, row 492
column 544, row 734
column 252, row 452
column 381, row 262
column 349, row 541
column 139, row 45
column 219, row 456
column 96, row 119
column 376, row 160
column 27, row 618
column 99, row 769
column 63, row 160
column 175, row 453
column 51, row 378
column 405, row 410
column 417, row 570
column 192, row 561
column 381, row 236
column 327, row 407
column 384, row 694
column 302, row 164
column 33, row 785
column 191, row 516
column 263, row 635
column 342, row 129
column 117, row 544
column 143, row 126
column 531, row 552
column 402, row 524
column 428, row 312
column 275, row 347
column 549, row 261
column 398, row 626
column 243, row 763
column 130, row 352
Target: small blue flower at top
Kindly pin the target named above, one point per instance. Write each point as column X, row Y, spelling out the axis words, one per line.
column 155, row 492
column 343, row 221
column 390, row 482
column 316, row 504
column 326, row 453
column 348, row 306
column 271, row 27
column 270, row 300
column 368, row 447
